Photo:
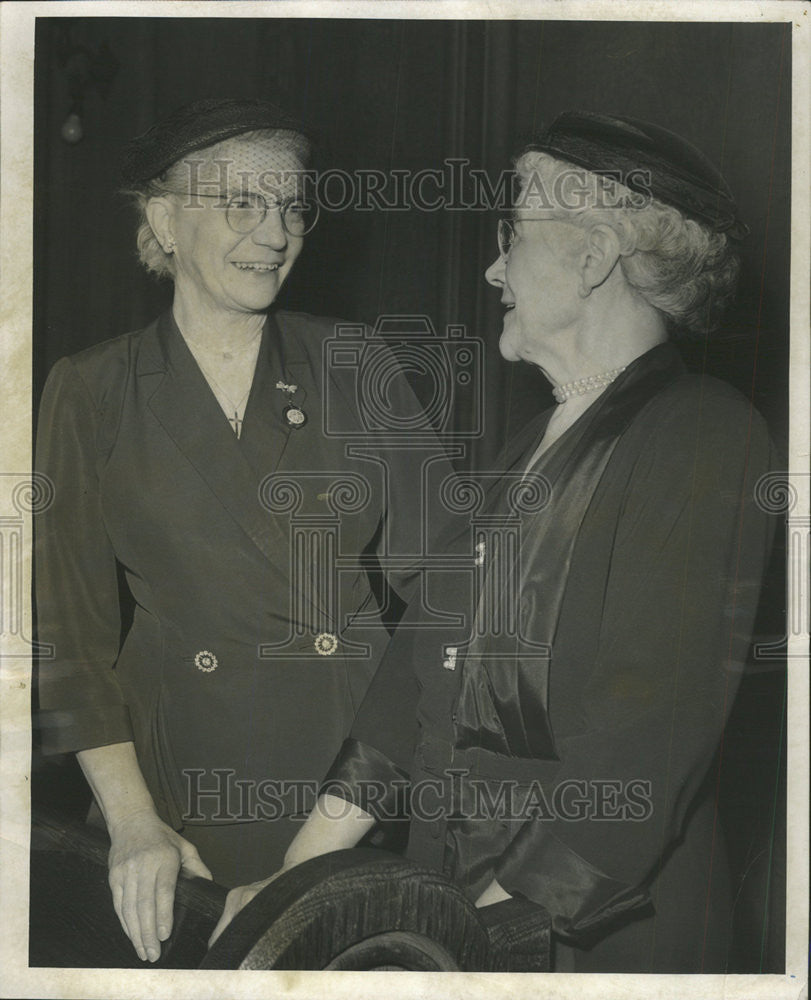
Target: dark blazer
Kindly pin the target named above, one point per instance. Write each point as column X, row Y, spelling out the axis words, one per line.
column 240, row 664
column 575, row 778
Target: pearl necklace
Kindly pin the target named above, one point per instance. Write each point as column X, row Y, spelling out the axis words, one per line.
column 581, row 386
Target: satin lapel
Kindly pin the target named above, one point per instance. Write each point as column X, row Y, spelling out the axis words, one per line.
column 574, row 467
column 191, row 416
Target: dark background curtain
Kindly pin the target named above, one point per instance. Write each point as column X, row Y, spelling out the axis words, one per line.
column 407, row 95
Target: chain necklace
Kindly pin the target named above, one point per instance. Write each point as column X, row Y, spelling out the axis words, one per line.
column 197, row 347
column 238, row 408
column 234, row 410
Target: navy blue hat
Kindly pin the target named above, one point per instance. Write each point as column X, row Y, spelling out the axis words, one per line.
column 648, row 159
column 197, row 126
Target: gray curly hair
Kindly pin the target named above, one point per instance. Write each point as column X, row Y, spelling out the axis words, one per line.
column 675, row 264
column 173, row 181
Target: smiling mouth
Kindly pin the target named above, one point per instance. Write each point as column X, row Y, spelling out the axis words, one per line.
column 508, row 306
column 249, row 266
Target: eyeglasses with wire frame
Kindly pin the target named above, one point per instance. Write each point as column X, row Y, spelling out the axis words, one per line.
column 246, row 212
column 506, row 231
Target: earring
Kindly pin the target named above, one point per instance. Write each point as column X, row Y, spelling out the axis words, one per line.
column 170, row 246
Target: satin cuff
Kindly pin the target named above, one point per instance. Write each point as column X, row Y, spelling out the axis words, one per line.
column 68, row 731
column 367, row 778
column 579, row 896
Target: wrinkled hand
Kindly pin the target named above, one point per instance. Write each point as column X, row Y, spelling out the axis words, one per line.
column 145, row 858
column 237, row 899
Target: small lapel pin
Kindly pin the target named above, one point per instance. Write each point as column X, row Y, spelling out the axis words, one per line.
column 294, row 415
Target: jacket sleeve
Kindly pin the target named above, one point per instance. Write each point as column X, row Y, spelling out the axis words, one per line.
column 413, row 457
column 372, row 769
column 77, row 601
column 675, row 623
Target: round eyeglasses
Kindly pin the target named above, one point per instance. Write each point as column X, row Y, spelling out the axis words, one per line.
column 506, row 232
column 246, row 212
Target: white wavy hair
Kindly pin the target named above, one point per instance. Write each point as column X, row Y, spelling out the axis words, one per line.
column 675, row 264
column 173, row 181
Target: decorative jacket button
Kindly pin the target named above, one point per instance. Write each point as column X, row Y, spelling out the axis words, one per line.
column 206, row 661
column 325, row 643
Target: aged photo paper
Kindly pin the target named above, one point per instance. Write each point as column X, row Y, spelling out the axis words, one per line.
column 415, row 112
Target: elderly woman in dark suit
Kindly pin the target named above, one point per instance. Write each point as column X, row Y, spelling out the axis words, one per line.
column 557, row 743
column 196, row 456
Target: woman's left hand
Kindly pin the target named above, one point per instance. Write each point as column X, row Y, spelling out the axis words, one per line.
column 237, row 899
column 334, row 825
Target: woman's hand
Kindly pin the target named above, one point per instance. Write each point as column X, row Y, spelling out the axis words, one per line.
column 333, row 825
column 145, row 858
column 236, row 899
